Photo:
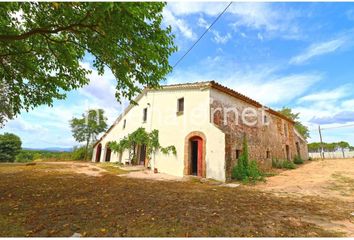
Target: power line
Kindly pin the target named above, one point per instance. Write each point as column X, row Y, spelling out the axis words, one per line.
column 335, row 127
column 216, row 19
column 343, row 126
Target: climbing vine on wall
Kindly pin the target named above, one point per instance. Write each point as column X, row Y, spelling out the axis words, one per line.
column 141, row 137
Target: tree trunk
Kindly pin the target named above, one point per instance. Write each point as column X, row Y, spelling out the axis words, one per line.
column 86, row 149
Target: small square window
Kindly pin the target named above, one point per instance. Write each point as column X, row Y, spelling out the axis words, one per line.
column 180, row 105
column 285, row 130
column 124, row 123
column 145, row 114
column 238, row 154
column 265, row 120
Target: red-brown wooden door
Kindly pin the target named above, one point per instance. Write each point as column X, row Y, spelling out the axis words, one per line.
column 196, row 167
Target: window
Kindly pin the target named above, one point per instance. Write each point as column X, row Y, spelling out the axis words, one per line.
column 180, row 105
column 145, row 111
column 238, row 154
column 265, row 120
column 285, row 130
column 268, row 154
column 124, row 123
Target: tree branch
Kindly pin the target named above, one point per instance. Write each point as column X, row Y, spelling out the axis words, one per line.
column 70, row 28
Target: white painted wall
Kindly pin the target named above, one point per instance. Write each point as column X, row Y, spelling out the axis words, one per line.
column 162, row 108
column 337, row 154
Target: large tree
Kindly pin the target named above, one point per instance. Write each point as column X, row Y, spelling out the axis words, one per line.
column 42, row 44
column 86, row 128
column 6, row 111
column 302, row 129
column 10, row 146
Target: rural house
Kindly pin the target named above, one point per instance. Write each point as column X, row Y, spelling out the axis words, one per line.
column 206, row 122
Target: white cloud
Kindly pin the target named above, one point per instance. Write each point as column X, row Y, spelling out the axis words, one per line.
column 278, row 90
column 217, row 37
column 203, row 23
column 261, row 84
column 52, row 123
column 178, row 24
column 256, row 15
column 318, row 49
column 348, row 104
column 20, row 124
column 327, row 95
column 221, row 39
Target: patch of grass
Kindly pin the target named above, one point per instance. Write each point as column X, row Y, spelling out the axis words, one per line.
column 298, row 160
column 278, row 163
column 343, row 184
column 112, row 168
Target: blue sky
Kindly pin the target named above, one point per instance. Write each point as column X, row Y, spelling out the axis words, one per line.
column 298, row 55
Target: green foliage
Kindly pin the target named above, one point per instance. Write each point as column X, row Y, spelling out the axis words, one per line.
column 277, row 163
column 288, row 164
column 141, row 137
column 302, row 129
column 239, row 172
column 79, row 153
column 86, row 128
column 25, row 156
column 40, row 52
column 5, row 105
column 244, row 170
column 10, row 146
column 298, row 160
column 43, row 155
column 254, row 173
column 330, row 147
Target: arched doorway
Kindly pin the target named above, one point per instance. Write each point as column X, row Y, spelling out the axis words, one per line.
column 98, row 152
column 194, row 162
column 196, row 156
column 108, row 153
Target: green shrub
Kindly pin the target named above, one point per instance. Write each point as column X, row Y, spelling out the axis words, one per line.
column 25, row 156
column 244, row 170
column 254, row 173
column 288, row 164
column 10, row 146
column 239, row 172
column 277, row 163
column 79, row 153
column 298, row 160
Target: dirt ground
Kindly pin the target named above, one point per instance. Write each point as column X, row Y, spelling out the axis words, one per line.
column 59, row 199
column 332, row 178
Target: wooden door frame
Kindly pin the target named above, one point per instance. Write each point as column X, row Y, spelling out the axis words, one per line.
column 201, row 153
column 108, row 149
column 98, row 156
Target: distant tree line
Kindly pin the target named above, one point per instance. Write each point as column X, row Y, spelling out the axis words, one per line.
column 329, row 147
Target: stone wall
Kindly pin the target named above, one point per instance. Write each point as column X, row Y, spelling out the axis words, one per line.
column 265, row 141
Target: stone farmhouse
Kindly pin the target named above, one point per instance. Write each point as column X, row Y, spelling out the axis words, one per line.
column 206, row 122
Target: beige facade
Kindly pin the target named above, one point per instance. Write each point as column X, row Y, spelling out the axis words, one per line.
column 206, row 141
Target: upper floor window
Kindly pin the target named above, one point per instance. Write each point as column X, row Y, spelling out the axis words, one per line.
column 285, row 130
column 124, row 123
column 180, row 105
column 265, row 119
column 145, row 114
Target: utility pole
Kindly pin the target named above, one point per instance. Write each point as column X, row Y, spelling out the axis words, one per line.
column 319, row 131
